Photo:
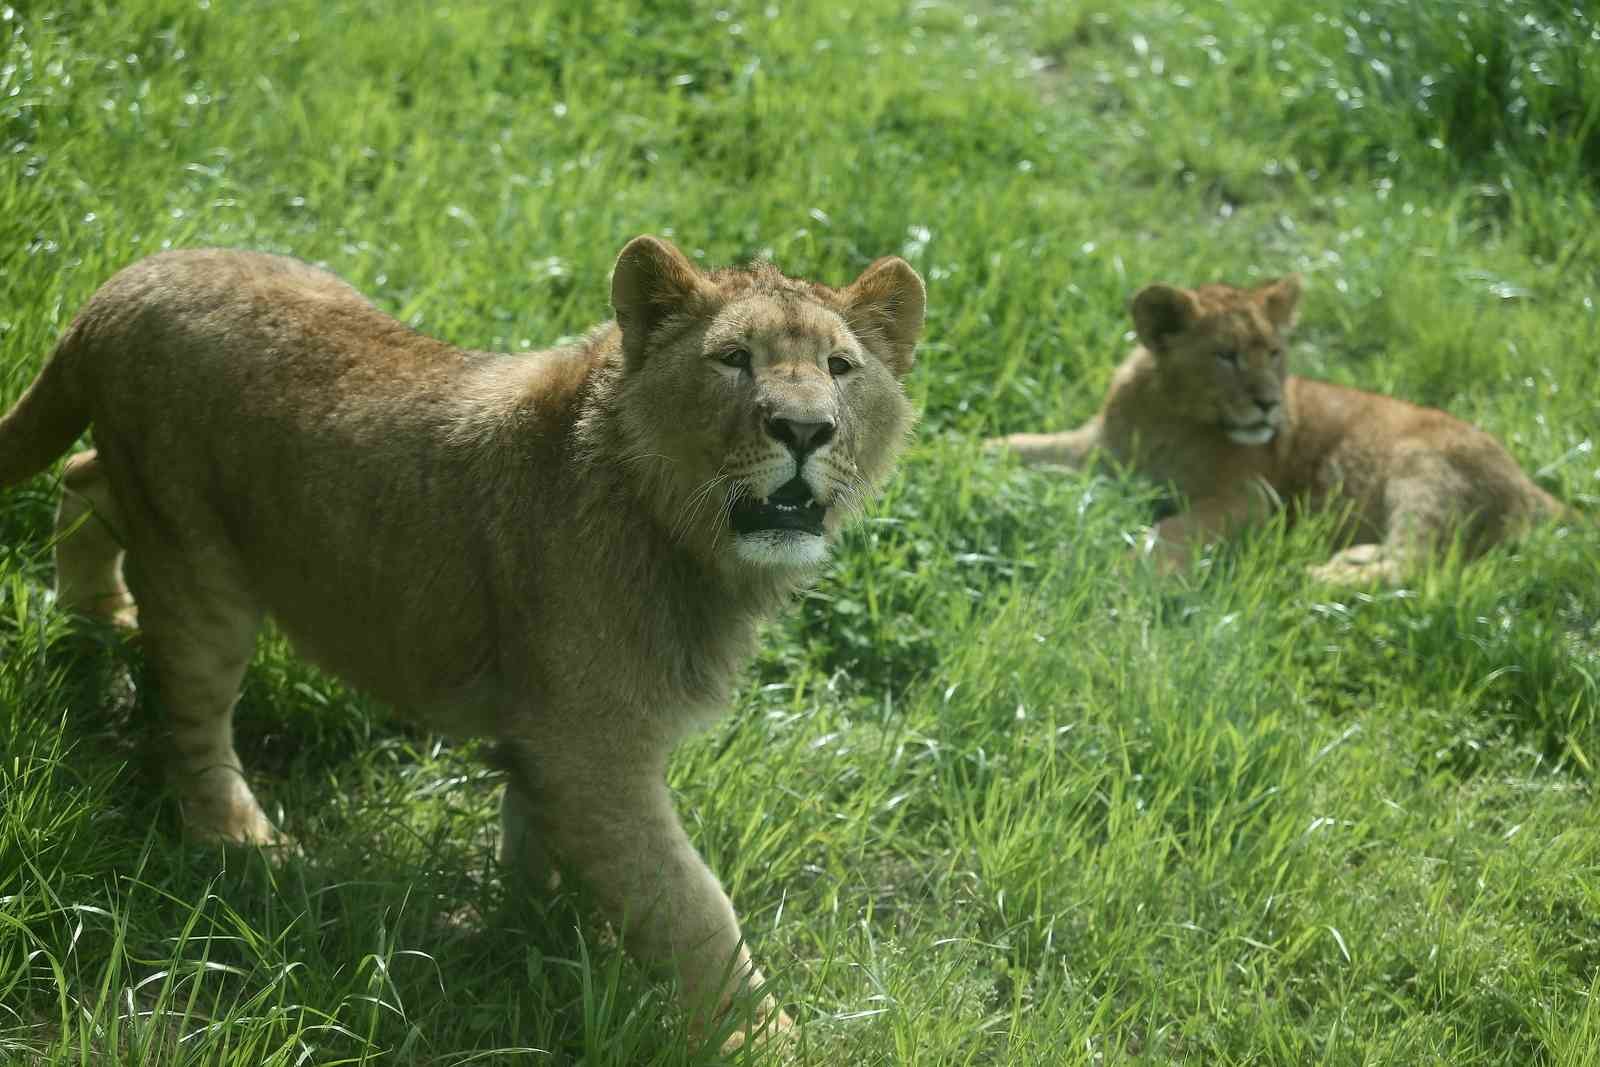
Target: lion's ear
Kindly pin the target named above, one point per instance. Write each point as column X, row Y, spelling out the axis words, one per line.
column 884, row 308
column 1159, row 311
column 651, row 282
column 1280, row 299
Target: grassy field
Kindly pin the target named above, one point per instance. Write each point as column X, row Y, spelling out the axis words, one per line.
column 991, row 794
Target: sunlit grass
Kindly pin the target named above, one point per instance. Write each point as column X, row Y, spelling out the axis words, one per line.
column 991, row 794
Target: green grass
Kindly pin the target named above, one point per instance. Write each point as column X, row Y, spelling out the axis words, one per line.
column 990, row 794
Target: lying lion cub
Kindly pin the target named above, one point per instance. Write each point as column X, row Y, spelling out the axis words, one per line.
column 1205, row 404
column 567, row 551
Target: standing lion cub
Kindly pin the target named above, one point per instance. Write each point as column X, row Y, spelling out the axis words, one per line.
column 1206, row 404
column 568, row 552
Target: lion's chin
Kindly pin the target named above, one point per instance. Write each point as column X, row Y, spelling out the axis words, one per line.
column 781, row 549
column 1258, row 434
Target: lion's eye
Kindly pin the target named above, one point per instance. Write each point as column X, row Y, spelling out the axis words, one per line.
column 1228, row 358
column 838, row 366
column 738, row 358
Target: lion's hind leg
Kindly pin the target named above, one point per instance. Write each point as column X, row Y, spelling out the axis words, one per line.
column 199, row 628
column 1070, row 448
column 89, row 547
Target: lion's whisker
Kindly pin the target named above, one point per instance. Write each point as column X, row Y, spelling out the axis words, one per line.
column 689, row 511
column 639, row 457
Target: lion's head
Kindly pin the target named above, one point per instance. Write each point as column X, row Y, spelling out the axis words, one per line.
column 767, row 408
column 1220, row 352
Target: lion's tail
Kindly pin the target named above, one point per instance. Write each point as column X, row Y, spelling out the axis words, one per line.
column 45, row 422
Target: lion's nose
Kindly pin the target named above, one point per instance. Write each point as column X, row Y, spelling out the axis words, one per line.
column 799, row 436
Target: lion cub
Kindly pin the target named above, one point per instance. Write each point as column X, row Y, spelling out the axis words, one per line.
column 568, row 551
column 1205, row 403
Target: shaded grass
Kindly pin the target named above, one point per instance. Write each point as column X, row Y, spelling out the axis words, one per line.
column 990, row 794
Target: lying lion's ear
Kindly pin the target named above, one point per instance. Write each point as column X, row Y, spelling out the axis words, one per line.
column 1159, row 311
column 1280, row 299
column 652, row 281
column 884, row 308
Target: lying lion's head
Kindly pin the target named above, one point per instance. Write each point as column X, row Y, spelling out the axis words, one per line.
column 768, row 409
column 1220, row 352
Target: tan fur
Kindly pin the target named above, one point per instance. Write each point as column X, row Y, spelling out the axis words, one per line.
column 535, row 548
column 1206, row 405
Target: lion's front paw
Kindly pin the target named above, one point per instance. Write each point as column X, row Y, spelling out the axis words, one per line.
column 771, row 1025
column 1358, row 565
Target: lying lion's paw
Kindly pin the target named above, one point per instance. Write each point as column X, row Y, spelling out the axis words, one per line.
column 1358, row 565
column 1165, row 558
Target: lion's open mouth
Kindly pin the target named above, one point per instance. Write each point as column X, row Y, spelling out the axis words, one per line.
column 790, row 507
